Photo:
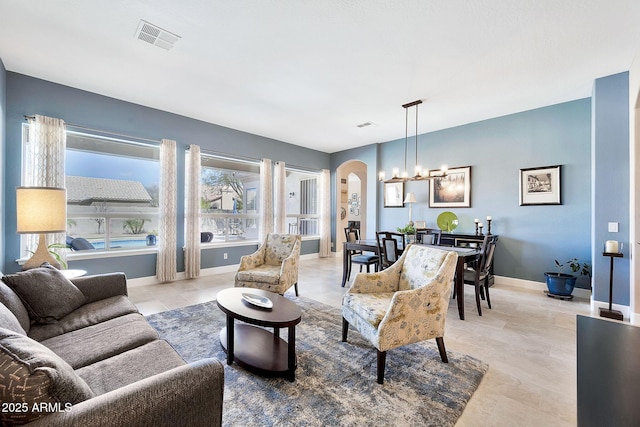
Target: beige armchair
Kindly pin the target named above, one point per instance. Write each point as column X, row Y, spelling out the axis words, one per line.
column 273, row 267
column 404, row 304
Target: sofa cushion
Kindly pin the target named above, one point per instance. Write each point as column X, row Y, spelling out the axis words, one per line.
column 46, row 293
column 9, row 321
column 131, row 366
column 87, row 315
column 370, row 307
column 262, row 273
column 12, row 301
column 31, row 373
column 88, row 345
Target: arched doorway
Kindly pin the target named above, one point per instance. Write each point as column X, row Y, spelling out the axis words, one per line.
column 351, row 198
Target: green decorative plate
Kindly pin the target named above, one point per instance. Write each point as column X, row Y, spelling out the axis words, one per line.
column 447, row 221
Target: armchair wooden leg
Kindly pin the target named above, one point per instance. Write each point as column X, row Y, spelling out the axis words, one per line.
column 443, row 352
column 382, row 358
column 345, row 329
column 295, row 287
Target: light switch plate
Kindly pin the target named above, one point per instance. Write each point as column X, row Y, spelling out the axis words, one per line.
column 613, row 227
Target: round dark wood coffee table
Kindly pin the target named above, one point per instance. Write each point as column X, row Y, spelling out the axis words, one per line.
column 254, row 348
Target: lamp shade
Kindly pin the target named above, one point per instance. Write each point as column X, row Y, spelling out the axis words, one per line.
column 411, row 198
column 41, row 210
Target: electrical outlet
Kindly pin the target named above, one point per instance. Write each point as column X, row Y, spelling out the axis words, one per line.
column 613, row 227
column 225, row 255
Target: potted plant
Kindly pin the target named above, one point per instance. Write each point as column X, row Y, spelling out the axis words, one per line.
column 562, row 284
column 152, row 238
column 409, row 231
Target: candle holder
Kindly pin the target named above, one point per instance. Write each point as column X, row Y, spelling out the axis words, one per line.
column 476, row 222
column 480, row 227
column 489, row 227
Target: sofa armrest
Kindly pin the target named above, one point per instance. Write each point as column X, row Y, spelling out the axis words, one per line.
column 190, row 395
column 101, row 286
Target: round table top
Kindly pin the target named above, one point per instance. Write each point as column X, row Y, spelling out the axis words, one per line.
column 284, row 312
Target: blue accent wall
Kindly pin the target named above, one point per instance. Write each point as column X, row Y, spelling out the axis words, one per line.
column 531, row 237
column 27, row 95
column 611, row 184
column 3, row 109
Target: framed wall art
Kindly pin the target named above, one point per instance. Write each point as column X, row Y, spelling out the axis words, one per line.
column 393, row 194
column 540, row 186
column 451, row 191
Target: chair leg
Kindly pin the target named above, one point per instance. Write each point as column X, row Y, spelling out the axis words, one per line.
column 295, row 287
column 486, row 291
column 443, row 352
column 345, row 329
column 382, row 358
column 478, row 299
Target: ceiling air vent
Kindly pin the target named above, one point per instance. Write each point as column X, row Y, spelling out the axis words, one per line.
column 155, row 35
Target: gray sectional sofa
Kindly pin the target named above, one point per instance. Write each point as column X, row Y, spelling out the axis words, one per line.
column 78, row 353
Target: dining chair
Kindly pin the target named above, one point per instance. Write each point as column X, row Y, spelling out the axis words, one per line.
column 359, row 257
column 390, row 247
column 428, row 236
column 478, row 274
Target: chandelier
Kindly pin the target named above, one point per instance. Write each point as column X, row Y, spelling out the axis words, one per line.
column 418, row 172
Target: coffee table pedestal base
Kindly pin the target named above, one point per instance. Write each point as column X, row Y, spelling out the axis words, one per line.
column 260, row 351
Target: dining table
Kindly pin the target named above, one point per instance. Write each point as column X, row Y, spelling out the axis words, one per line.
column 465, row 255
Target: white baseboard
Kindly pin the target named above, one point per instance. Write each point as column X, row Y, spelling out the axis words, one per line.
column 536, row 286
column 153, row 280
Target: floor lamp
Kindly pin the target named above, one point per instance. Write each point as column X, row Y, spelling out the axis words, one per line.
column 41, row 210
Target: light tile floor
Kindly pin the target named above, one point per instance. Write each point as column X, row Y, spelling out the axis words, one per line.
column 528, row 340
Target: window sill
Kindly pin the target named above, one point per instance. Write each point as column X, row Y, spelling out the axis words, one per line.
column 81, row 255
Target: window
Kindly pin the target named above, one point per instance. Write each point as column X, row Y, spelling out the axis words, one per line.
column 229, row 198
column 302, row 202
column 112, row 192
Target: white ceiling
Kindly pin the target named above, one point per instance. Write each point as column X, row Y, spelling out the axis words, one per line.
column 307, row 72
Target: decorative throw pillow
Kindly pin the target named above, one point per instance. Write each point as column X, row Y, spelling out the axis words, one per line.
column 8, row 320
column 33, row 374
column 46, row 293
column 12, row 301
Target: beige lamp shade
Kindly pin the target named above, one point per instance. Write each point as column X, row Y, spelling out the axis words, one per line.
column 411, row 198
column 41, row 210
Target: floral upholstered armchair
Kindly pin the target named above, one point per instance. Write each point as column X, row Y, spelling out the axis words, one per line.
column 404, row 304
column 273, row 267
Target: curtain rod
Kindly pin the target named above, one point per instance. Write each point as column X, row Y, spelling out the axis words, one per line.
column 123, row 135
column 228, row 156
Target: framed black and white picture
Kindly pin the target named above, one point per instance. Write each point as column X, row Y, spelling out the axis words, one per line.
column 393, row 194
column 452, row 190
column 540, row 186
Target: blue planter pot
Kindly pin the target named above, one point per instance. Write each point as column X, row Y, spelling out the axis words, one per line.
column 560, row 284
column 151, row 240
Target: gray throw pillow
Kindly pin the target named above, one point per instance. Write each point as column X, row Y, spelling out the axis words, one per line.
column 46, row 293
column 9, row 321
column 38, row 375
column 12, row 301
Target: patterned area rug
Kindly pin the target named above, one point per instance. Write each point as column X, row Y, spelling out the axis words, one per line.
column 335, row 381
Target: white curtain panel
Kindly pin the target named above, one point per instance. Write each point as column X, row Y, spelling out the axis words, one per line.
column 280, row 202
column 266, row 200
column 325, row 214
column 192, row 230
column 166, row 265
column 44, row 165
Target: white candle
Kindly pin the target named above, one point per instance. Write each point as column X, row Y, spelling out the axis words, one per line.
column 480, row 225
column 611, row 247
column 489, row 218
column 476, row 220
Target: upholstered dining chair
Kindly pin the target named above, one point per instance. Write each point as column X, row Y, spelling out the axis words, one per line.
column 359, row 257
column 478, row 274
column 428, row 236
column 404, row 304
column 273, row 267
column 390, row 246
